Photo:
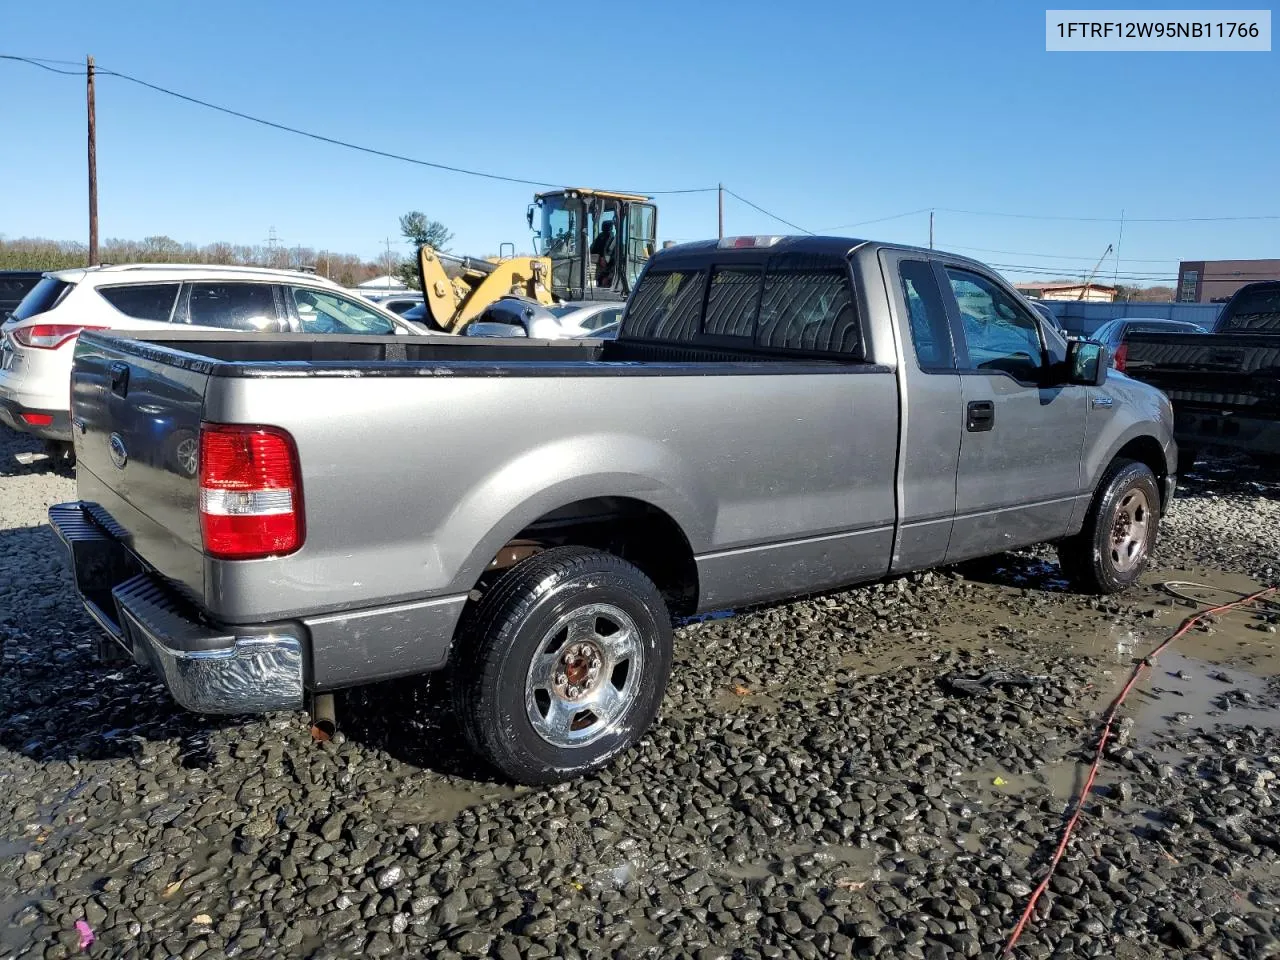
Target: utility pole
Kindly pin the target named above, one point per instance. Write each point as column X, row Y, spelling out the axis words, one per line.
column 720, row 196
column 930, row 229
column 93, row 165
column 1115, row 277
column 389, row 262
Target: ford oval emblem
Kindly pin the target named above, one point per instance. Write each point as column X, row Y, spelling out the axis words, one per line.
column 119, row 455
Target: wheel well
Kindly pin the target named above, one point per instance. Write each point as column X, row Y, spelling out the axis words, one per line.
column 1147, row 450
column 632, row 529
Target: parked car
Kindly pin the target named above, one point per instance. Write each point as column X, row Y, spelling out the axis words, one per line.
column 37, row 341
column 520, row 317
column 1114, row 334
column 1225, row 386
column 1050, row 317
column 397, row 303
column 14, row 285
column 778, row 416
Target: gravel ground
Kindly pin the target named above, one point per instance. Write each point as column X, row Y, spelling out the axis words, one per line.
column 812, row 787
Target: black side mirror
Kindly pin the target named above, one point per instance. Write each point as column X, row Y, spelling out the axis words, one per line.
column 1086, row 363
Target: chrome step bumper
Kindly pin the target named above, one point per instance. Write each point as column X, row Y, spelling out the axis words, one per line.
column 208, row 668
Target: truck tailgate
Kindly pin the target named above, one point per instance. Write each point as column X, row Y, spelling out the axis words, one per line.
column 135, row 424
column 1236, row 371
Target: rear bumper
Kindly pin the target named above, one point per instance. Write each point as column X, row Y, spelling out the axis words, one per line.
column 12, row 409
column 207, row 667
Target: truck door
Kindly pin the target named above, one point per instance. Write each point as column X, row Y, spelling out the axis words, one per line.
column 929, row 385
column 1020, row 444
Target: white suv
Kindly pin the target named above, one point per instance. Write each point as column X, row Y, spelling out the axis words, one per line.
column 38, row 339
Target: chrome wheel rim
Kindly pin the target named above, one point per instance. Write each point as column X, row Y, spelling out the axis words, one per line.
column 1129, row 530
column 584, row 676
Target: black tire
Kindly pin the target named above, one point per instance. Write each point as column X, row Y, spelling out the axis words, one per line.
column 1187, row 459
column 62, row 455
column 1092, row 560
column 493, row 680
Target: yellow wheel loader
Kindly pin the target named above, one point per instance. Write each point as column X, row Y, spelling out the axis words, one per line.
column 591, row 244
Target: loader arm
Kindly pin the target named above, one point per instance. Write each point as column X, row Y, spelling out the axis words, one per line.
column 455, row 302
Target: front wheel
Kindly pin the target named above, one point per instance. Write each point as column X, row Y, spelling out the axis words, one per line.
column 1113, row 548
column 563, row 665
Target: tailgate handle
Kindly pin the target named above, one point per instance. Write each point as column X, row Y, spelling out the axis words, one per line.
column 981, row 416
column 120, row 379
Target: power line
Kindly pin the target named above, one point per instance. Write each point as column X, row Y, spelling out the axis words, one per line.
column 321, row 137
column 44, row 65
column 1058, row 256
column 774, row 216
column 863, row 223
column 1039, row 216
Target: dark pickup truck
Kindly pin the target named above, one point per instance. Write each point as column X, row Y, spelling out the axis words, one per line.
column 1225, row 387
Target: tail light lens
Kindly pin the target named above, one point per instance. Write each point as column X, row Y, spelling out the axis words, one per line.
column 1120, row 357
column 37, row 419
column 250, row 492
column 48, row 336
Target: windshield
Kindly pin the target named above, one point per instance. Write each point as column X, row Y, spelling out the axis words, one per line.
column 557, row 227
column 43, row 296
column 1255, row 310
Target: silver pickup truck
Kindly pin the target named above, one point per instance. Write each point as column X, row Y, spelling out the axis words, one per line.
column 262, row 519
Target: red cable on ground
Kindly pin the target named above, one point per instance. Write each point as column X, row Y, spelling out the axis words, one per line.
column 1102, row 743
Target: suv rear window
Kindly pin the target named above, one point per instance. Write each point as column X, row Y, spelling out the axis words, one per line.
column 147, row 301
column 43, row 296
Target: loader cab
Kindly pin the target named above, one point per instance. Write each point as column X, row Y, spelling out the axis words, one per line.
column 598, row 241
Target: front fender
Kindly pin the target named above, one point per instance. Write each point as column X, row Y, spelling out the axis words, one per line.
column 1138, row 411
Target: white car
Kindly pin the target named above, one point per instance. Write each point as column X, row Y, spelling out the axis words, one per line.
column 38, row 339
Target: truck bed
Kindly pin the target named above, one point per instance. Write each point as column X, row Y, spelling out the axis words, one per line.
column 250, row 354
column 1225, row 387
column 421, row 457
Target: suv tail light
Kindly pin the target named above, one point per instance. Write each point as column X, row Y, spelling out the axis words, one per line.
column 48, row 336
column 1120, row 357
column 250, row 492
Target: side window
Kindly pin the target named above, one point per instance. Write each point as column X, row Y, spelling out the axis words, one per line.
column 999, row 334
column 150, row 301
column 602, row 318
column 732, row 300
column 930, row 333
column 322, row 312
column 666, row 305
column 808, row 305
column 233, row 306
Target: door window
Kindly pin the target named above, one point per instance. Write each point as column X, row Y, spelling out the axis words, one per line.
column 999, row 334
column 927, row 316
column 143, row 301
column 233, row 306
column 322, row 312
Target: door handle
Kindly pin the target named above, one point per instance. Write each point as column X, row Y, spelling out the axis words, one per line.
column 119, row 378
column 981, row 416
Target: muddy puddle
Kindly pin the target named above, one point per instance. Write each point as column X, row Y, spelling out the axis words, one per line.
column 435, row 802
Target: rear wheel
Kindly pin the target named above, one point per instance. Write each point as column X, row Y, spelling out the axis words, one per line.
column 563, row 665
column 1113, row 548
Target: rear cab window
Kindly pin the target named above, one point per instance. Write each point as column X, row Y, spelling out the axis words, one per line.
column 1257, row 309
column 789, row 302
column 44, row 296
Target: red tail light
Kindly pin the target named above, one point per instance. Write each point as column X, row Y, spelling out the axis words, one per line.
column 37, row 419
column 1121, row 355
column 48, row 336
column 250, row 492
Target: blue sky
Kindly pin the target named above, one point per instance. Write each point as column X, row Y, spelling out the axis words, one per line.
column 825, row 113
